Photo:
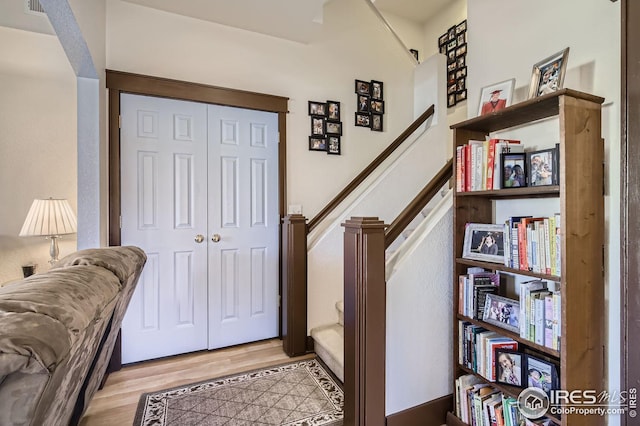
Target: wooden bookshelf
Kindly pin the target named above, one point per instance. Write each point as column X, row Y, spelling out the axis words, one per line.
column 580, row 193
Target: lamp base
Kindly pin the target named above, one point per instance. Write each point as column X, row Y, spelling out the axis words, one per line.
column 53, row 249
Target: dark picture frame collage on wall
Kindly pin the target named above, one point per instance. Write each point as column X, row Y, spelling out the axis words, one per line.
column 370, row 105
column 326, row 127
column 453, row 44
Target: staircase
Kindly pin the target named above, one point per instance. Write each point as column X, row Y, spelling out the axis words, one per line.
column 329, row 339
column 329, row 343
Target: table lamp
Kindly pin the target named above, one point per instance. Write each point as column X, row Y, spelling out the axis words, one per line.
column 49, row 218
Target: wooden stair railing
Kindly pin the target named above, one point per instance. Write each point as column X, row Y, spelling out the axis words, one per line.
column 365, row 242
column 369, row 169
column 294, row 233
column 418, row 204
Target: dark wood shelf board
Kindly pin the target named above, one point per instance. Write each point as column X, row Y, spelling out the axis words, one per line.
column 523, row 112
column 526, row 192
column 502, row 268
column 453, row 420
column 510, row 334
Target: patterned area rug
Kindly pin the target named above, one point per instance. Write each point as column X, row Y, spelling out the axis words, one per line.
column 300, row 393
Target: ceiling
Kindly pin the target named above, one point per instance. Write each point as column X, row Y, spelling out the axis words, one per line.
column 418, row 11
column 296, row 20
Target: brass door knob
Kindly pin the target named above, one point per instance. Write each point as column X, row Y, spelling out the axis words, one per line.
column 215, row 238
column 199, row 238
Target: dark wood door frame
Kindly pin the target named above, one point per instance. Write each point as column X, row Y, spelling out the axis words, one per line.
column 630, row 195
column 119, row 82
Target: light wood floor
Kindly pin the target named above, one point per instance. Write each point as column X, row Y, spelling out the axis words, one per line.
column 116, row 403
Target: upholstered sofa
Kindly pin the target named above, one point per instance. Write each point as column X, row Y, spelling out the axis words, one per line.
column 57, row 332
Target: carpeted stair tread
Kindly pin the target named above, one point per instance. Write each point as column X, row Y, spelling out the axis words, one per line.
column 329, row 346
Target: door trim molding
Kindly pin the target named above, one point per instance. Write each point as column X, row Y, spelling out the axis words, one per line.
column 119, row 82
column 122, row 82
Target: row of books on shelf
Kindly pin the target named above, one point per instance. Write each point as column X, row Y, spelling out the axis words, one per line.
column 498, row 360
column 533, row 244
column 535, row 316
column 503, row 163
column 478, row 348
column 479, row 404
column 541, row 314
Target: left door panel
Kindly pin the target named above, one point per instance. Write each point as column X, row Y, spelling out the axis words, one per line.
column 164, row 211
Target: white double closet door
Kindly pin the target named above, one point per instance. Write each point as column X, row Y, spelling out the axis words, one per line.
column 199, row 187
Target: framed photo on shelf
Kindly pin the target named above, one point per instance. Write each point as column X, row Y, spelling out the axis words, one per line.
column 317, row 143
column 484, row 242
column 548, row 74
column 514, row 170
column 333, row 128
column 502, row 312
column 542, row 167
column 510, row 369
column 317, row 126
column 541, row 374
column 363, row 120
column 376, row 90
column 333, row 145
column 496, row 96
column 333, row 110
column 363, row 87
column 376, row 122
column 317, row 108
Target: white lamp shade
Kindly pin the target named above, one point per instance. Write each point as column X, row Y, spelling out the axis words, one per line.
column 49, row 217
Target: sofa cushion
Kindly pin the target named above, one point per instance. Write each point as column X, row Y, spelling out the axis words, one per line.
column 73, row 297
column 123, row 262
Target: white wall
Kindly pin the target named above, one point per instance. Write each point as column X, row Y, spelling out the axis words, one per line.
column 408, row 31
column 401, row 178
column 355, row 46
column 37, row 142
column 449, row 16
column 506, row 38
column 419, row 320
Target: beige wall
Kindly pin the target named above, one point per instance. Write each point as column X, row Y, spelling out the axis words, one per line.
column 449, row 16
column 355, row 45
column 37, row 141
column 523, row 33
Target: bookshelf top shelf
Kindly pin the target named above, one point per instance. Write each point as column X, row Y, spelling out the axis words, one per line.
column 524, row 112
column 525, row 192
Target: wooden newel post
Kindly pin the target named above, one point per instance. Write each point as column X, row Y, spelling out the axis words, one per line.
column 294, row 284
column 364, row 322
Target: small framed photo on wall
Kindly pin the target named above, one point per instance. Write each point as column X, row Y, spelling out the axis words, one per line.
column 363, row 87
column 333, row 145
column 376, row 122
column 333, row 111
column 317, row 109
column 317, row 143
column 317, row 126
column 363, row 120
